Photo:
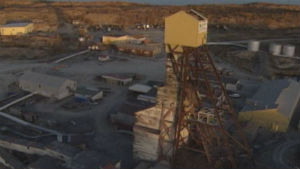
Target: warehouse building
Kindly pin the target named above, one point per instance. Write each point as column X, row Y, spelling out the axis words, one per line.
column 108, row 40
column 20, row 28
column 274, row 106
column 47, row 85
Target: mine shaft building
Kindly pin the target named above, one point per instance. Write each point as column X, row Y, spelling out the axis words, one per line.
column 185, row 33
column 274, row 106
column 20, row 28
column 47, row 85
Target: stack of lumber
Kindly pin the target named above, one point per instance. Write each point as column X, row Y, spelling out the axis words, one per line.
column 153, row 129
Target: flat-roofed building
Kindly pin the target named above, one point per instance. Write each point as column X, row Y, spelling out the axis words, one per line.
column 121, row 79
column 20, row 28
column 140, row 88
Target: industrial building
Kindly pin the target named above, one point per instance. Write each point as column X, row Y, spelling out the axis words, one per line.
column 185, row 33
column 108, row 40
column 47, row 85
column 118, row 79
column 149, row 50
column 273, row 106
column 16, row 28
column 137, row 45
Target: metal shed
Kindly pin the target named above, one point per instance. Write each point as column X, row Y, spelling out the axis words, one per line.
column 16, row 28
column 47, row 85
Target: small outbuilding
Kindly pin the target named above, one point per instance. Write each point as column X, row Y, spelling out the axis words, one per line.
column 118, row 79
column 47, row 85
column 88, row 93
column 140, row 88
column 16, row 28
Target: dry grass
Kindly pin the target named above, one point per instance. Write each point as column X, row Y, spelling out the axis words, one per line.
column 258, row 15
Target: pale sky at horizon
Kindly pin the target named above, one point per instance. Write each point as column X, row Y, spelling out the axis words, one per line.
column 185, row 2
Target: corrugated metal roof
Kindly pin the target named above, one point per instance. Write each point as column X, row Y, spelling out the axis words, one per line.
column 191, row 13
column 288, row 99
column 19, row 24
column 196, row 14
column 282, row 94
column 43, row 79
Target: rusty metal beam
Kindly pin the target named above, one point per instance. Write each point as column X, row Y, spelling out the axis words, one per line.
column 194, row 69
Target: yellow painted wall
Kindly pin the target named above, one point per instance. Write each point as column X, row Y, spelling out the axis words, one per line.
column 16, row 30
column 269, row 119
column 113, row 39
column 183, row 29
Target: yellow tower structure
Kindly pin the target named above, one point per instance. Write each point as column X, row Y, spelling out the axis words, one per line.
column 185, row 28
column 202, row 109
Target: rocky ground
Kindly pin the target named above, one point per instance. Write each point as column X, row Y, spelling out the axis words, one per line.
column 54, row 32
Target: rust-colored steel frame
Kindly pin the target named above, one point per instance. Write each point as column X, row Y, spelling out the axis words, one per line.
column 166, row 131
column 195, row 72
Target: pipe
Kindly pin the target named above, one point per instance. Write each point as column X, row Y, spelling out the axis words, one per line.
column 22, row 122
column 70, row 56
column 261, row 40
column 17, row 101
column 4, row 128
column 25, row 123
column 225, row 44
column 9, row 97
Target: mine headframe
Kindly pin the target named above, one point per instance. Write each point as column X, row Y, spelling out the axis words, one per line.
column 204, row 119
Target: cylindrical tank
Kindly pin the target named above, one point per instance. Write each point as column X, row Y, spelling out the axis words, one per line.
column 81, row 39
column 253, row 46
column 275, row 49
column 289, row 50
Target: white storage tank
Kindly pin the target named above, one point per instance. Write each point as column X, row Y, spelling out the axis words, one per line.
column 81, row 39
column 289, row 50
column 275, row 49
column 253, row 46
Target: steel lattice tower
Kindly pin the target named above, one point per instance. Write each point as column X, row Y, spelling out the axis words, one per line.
column 204, row 111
